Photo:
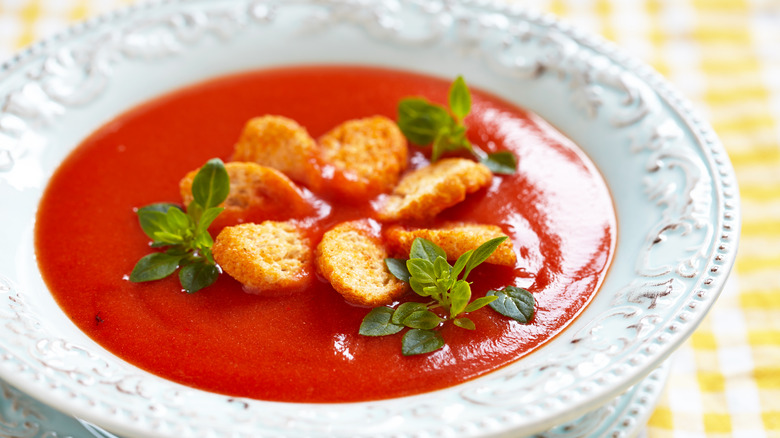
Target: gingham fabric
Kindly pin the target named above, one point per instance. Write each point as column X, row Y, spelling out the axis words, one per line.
column 725, row 56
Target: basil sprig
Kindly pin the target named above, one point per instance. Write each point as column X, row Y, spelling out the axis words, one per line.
column 184, row 234
column 424, row 123
column 430, row 275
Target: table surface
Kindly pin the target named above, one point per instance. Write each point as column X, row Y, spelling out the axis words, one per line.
column 725, row 56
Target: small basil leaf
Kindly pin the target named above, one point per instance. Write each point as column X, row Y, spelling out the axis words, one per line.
column 152, row 221
column 197, row 275
column 503, row 162
column 207, row 218
column 398, row 268
column 459, row 297
column 440, row 146
column 378, row 322
column 421, row 270
column 420, row 288
column 178, row 221
column 154, row 267
column 422, row 319
column 459, row 98
column 426, row 250
column 514, row 302
column 441, row 268
column 420, row 120
column 405, row 310
column 417, row 341
column 461, row 263
column 164, row 238
column 479, row 303
column 464, row 323
column 482, row 253
column 211, row 184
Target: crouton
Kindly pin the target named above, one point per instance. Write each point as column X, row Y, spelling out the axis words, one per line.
column 280, row 143
column 352, row 258
column 425, row 192
column 455, row 238
column 265, row 256
column 367, row 157
column 253, row 189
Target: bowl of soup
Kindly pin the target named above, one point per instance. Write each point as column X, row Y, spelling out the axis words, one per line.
column 619, row 205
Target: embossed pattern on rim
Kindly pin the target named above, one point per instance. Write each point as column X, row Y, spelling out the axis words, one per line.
column 652, row 310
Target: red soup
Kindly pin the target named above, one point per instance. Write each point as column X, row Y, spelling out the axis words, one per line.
column 305, row 347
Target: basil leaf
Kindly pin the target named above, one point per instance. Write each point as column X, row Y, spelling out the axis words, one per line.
column 197, row 275
column 464, row 323
column 482, row 253
column 152, row 221
column 178, row 221
column 154, row 267
column 378, row 322
column 421, row 270
column 440, row 146
column 461, row 263
column 417, row 341
column 211, row 184
column 459, row 98
column 405, row 310
column 426, row 250
column 479, row 303
column 163, row 238
column 502, row 162
column 422, row 319
column 441, row 268
column 459, row 297
column 420, row 288
column 514, row 302
column 207, row 218
column 420, row 120
column 398, row 268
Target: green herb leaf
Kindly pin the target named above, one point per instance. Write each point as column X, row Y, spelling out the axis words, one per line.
column 502, row 162
column 426, row 250
column 405, row 310
column 398, row 268
column 479, row 303
column 211, row 184
column 379, row 322
column 419, row 287
column 422, row 319
column 460, row 98
column 417, row 341
column 155, row 266
column 178, row 221
column 197, row 275
column 208, row 217
column 514, row 302
column 152, row 218
column 422, row 271
column 459, row 297
column 420, row 120
column 482, row 253
column 461, row 263
column 464, row 323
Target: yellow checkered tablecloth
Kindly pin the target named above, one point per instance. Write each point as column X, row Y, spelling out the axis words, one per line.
column 725, row 56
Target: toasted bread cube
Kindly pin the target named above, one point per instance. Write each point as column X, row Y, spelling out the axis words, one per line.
column 252, row 185
column 367, row 156
column 427, row 191
column 455, row 238
column 280, row 143
column 265, row 256
column 352, row 258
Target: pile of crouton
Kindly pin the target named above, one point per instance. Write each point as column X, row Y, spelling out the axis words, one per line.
column 360, row 159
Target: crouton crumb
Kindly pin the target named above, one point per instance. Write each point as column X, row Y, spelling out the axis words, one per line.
column 264, row 256
column 368, row 156
column 352, row 259
column 280, row 143
column 455, row 238
column 427, row 191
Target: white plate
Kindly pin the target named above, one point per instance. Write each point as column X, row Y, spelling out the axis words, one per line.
column 674, row 189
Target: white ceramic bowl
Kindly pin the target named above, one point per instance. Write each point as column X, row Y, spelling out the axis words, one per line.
column 674, row 190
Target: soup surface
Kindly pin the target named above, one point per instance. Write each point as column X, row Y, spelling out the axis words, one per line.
column 305, row 347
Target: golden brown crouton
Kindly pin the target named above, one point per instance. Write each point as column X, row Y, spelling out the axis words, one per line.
column 366, row 155
column 427, row 191
column 280, row 143
column 352, row 258
column 454, row 238
column 269, row 255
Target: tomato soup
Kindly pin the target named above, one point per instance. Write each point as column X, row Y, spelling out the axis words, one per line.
column 305, row 347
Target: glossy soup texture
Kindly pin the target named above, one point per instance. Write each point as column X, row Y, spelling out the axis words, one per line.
column 304, row 346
